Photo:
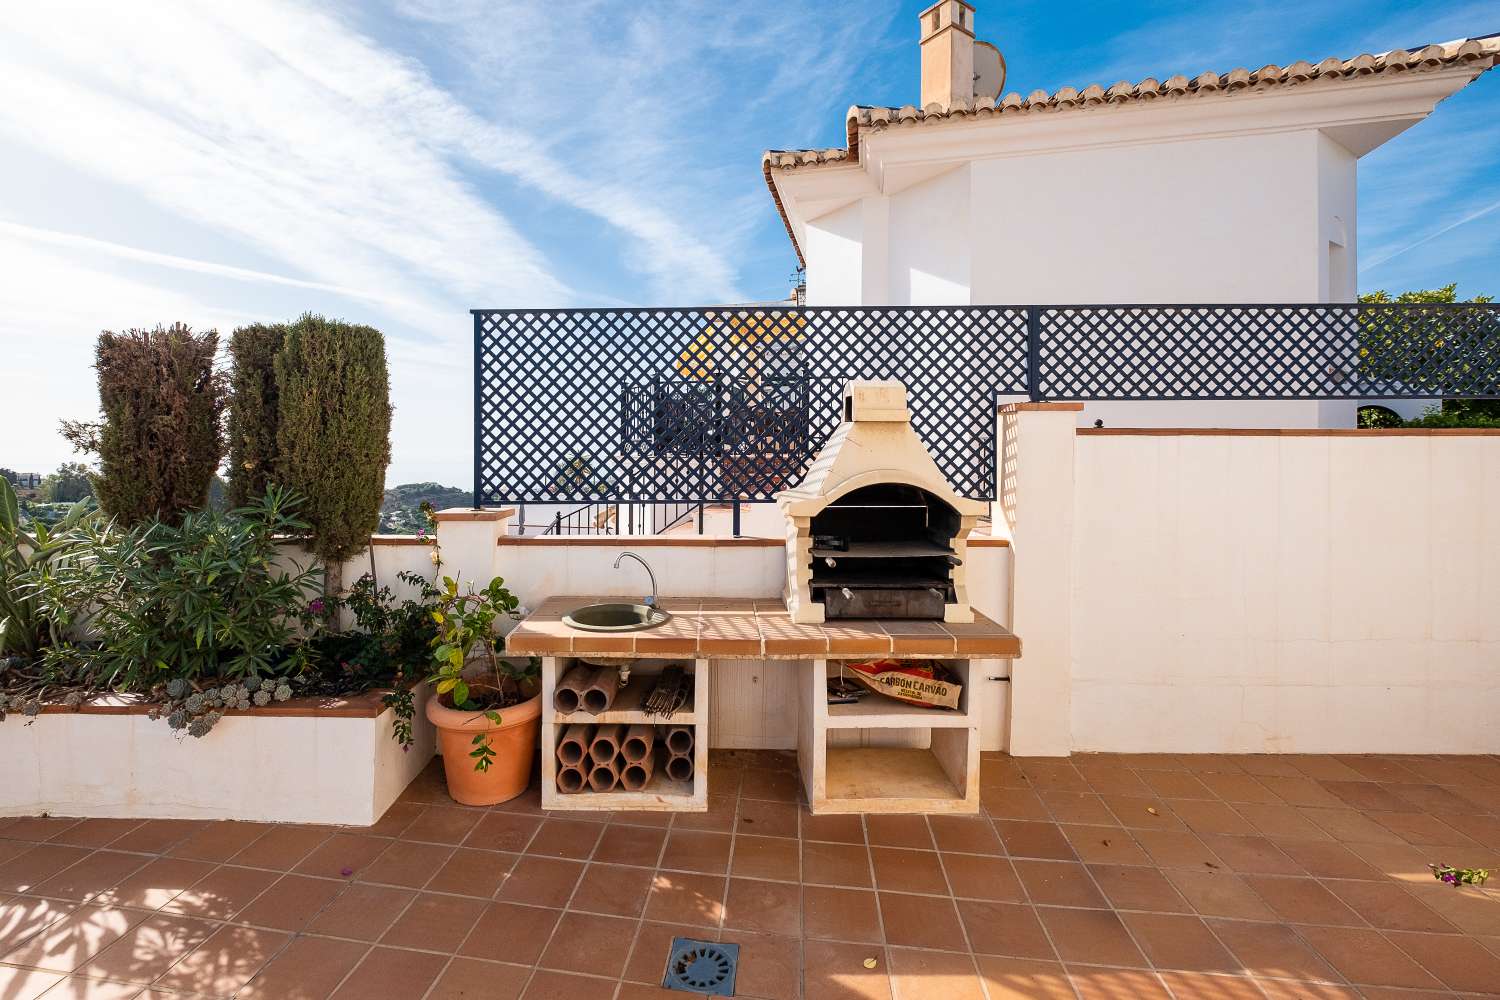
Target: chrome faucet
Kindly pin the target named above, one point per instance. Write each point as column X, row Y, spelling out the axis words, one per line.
column 650, row 601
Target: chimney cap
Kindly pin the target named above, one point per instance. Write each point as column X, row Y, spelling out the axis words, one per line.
column 933, row 23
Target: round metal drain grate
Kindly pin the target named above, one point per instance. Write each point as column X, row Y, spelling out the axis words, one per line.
column 705, row 967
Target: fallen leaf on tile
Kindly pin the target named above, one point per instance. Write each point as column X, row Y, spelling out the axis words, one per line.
column 870, row 963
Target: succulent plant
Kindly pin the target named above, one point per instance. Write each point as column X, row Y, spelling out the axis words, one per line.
column 32, row 707
column 176, row 688
column 283, row 692
column 178, row 719
column 194, row 703
column 268, row 685
column 262, row 697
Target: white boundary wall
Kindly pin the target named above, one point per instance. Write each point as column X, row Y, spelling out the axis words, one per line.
column 1285, row 592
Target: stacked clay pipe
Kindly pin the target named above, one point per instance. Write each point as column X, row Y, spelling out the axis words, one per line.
column 602, row 757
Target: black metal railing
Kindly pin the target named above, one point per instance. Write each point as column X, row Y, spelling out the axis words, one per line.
column 590, row 519
column 680, row 406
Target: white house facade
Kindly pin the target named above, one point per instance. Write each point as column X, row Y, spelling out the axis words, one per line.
column 1225, row 188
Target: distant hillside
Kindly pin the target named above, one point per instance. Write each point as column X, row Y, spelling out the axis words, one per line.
column 400, row 512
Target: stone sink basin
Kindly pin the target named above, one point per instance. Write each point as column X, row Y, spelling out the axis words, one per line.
column 615, row 617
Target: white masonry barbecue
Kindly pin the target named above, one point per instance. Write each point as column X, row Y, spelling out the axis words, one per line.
column 874, row 530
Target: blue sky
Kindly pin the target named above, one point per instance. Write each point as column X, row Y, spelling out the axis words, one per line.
column 400, row 163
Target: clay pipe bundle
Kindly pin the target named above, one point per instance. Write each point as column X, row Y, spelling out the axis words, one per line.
column 568, row 696
column 574, row 744
column 679, row 740
column 571, row 778
column 605, row 746
column 604, row 776
column 680, row 767
column 637, row 773
column 638, row 741
column 599, row 693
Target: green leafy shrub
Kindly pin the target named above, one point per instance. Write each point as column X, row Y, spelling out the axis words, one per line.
column 159, row 440
column 69, row 484
column 26, row 548
column 254, row 411
column 200, row 599
column 1444, row 415
column 334, row 434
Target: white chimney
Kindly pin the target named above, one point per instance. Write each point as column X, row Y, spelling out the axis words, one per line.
column 955, row 68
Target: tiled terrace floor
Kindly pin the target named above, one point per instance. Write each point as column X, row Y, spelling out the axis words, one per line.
column 1111, row 877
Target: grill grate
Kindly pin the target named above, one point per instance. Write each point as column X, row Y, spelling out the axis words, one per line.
column 704, row 967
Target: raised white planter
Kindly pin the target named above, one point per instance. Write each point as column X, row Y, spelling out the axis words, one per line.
column 307, row 761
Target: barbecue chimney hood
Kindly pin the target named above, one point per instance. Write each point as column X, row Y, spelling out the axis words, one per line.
column 874, row 530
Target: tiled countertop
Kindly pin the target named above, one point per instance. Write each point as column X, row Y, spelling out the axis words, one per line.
column 755, row 629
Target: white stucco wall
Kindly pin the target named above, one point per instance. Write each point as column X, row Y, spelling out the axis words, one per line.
column 1264, row 593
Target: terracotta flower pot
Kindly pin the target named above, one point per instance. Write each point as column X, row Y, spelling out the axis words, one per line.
column 514, row 741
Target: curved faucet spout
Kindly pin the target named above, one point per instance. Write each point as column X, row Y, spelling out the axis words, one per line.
column 650, row 601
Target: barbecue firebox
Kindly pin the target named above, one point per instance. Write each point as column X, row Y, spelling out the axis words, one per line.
column 875, row 531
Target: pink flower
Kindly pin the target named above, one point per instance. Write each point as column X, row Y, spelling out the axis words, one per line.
column 315, row 605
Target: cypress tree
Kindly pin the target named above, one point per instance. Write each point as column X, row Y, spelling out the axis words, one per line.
column 160, row 440
column 334, row 434
column 253, row 410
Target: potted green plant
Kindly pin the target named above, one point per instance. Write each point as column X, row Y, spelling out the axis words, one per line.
column 487, row 709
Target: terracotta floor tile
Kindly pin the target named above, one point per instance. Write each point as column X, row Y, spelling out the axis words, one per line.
column 839, row 829
column 1023, row 979
column 1472, row 911
column 1251, row 855
column 550, row 985
column 770, row 966
column 1367, row 795
column 1220, row 894
column 1142, row 813
column 686, row 898
column 310, row 968
column 27, row 984
column 157, row 836
column 1260, row 764
column 472, row 872
column 1090, row 936
column 1105, row 845
column 697, row 851
column 1326, row 859
column 965, row 834
column 614, row 890
column 1351, row 826
column 1058, row 883
column 1420, row 828
column 510, row 932
column 362, row 912
column 26, row 871
column 443, row 825
column 920, row 921
column 1077, row 807
column 1133, row 888
column 840, row 914
column 1379, row 767
column 100, row 871
column 1322, row 766
column 1008, row 929
column 148, row 949
column 766, row 907
column 65, row 944
column 935, row 975
column 434, row 922
column 1280, row 821
column 1034, row 840
column 1200, row 986
column 223, row 892
column 898, row 830
column 1401, row 862
column 591, row 944
column 95, row 832
column 764, row 819
column 978, row 876
column 1388, row 906
column 473, row 979
column 1178, row 942
column 344, row 855
column 503, row 831
column 281, row 848
column 836, row 864
column 1013, row 803
column 541, row 881
column 1178, row 849
column 1059, row 774
column 391, row 974
column 1117, row 984
column 722, row 813
column 1431, row 798
column 1276, row 989
column 773, row 786
column 630, row 845
column 766, row 857
column 898, row 870
column 290, row 903
column 396, row 819
column 1301, row 791
column 643, row 991
column 38, row 829
column 1209, row 816
column 1365, row 957
column 23, row 917
column 1271, row 950
column 1302, row 900
column 225, row 961
column 1461, row 963
column 1237, row 788
column 406, row 863
column 1175, row 785
column 833, row 971
column 219, row 841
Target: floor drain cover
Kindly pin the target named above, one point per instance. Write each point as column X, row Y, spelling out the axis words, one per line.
column 705, row 967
